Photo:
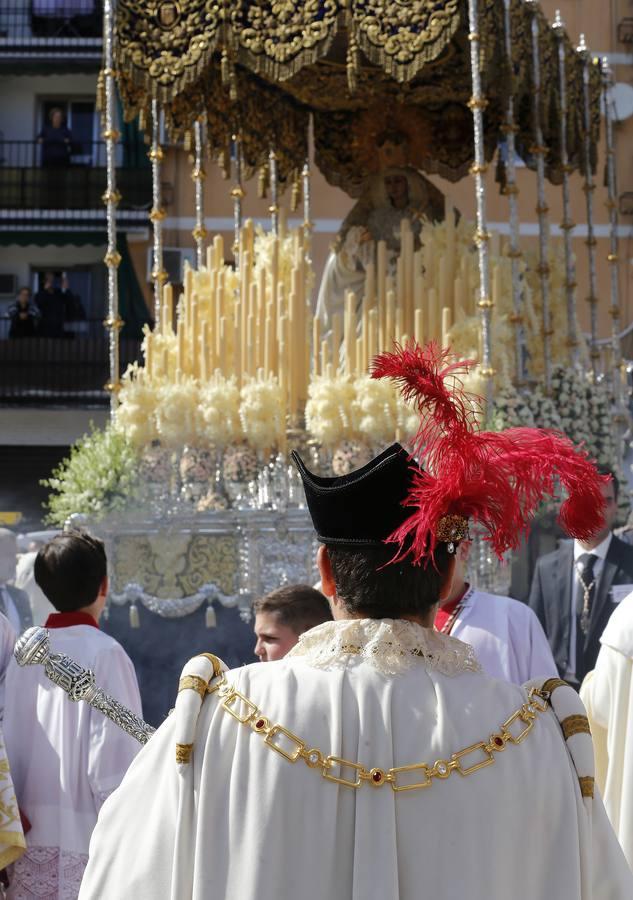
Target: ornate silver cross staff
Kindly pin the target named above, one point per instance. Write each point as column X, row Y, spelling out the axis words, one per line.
column 33, row 649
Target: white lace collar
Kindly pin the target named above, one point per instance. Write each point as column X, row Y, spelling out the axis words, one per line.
column 390, row 645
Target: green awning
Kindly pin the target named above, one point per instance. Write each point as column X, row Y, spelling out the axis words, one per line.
column 57, row 238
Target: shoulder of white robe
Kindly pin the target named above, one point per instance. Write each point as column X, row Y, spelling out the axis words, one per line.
column 572, row 717
column 194, row 685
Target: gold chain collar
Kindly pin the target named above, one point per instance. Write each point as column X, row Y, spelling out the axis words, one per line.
column 401, row 778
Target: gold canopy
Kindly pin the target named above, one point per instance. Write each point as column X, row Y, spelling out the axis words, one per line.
column 362, row 68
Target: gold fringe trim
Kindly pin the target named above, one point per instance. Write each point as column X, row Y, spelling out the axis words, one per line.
column 427, row 50
column 586, row 785
column 575, row 725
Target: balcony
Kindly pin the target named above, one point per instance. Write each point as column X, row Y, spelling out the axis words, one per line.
column 71, row 192
column 67, row 371
column 47, row 30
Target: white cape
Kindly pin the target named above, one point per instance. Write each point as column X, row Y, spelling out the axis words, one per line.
column 508, row 638
column 240, row 822
column 608, row 695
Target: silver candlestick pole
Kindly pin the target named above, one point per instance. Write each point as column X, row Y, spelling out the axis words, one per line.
column 111, row 197
column 157, row 214
column 238, row 195
column 273, row 209
column 607, row 85
column 509, row 128
column 477, row 104
column 566, row 225
column 33, row 649
column 589, row 188
column 198, row 174
column 307, row 212
column 539, row 150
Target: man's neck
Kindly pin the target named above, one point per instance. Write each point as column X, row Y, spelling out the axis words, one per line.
column 592, row 543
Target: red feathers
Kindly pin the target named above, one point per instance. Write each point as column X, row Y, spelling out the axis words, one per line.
column 496, row 479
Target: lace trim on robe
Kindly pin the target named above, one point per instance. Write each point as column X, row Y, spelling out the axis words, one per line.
column 47, row 873
column 391, row 646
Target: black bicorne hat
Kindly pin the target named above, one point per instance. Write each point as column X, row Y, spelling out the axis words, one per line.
column 363, row 507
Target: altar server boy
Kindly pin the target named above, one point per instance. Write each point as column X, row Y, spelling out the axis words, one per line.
column 66, row 757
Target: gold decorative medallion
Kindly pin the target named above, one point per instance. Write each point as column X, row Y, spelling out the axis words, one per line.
column 168, row 14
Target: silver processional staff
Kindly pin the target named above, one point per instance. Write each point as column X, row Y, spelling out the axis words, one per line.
column 33, row 648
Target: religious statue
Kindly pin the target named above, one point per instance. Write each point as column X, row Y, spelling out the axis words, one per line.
column 395, row 193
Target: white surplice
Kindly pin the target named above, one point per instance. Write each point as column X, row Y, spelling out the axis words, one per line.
column 608, row 695
column 240, row 822
column 7, row 643
column 508, row 638
column 65, row 759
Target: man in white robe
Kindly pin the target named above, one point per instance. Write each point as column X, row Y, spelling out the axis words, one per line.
column 607, row 692
column 506, row 635
column 289, row 779
column 65, row 757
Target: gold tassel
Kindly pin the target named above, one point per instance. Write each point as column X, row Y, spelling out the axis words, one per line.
column 262, row 181
column 295, row 196
column 210, row 618
column 225, row 68
column 352, row 64
column 135, row 621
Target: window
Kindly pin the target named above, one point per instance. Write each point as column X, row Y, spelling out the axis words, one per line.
column 80, row 117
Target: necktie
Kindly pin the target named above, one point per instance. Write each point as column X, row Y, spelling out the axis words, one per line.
column 585, row 567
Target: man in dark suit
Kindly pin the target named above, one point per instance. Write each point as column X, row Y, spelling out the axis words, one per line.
column 572, row 591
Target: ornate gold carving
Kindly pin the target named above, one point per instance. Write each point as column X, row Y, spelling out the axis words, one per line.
column 403, row 37
column 280, row 60
column 175, row 565
column 168, row 14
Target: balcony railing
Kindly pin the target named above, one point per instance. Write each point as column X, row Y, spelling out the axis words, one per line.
column 32, row 178
column 70, row 370
column 50, row 24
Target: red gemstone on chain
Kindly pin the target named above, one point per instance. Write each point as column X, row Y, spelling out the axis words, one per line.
column 260, row 723
column 498, row 742
column 377, row 777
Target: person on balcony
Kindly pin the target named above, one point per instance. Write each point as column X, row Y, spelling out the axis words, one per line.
column 24, row 316
column 56, row 141
column 55, row 305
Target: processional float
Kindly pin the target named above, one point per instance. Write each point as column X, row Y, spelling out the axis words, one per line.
column 244, row 365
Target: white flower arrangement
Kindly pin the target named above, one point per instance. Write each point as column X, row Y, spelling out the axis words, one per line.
column 511, row 409
column 374, row 410
column 262, row 412
column 219, row 411
column 177, row 413
column 136, row 414
column 100, row 476
column 328, row 410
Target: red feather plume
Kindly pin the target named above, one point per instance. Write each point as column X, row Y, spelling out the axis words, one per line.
column 497, row 479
